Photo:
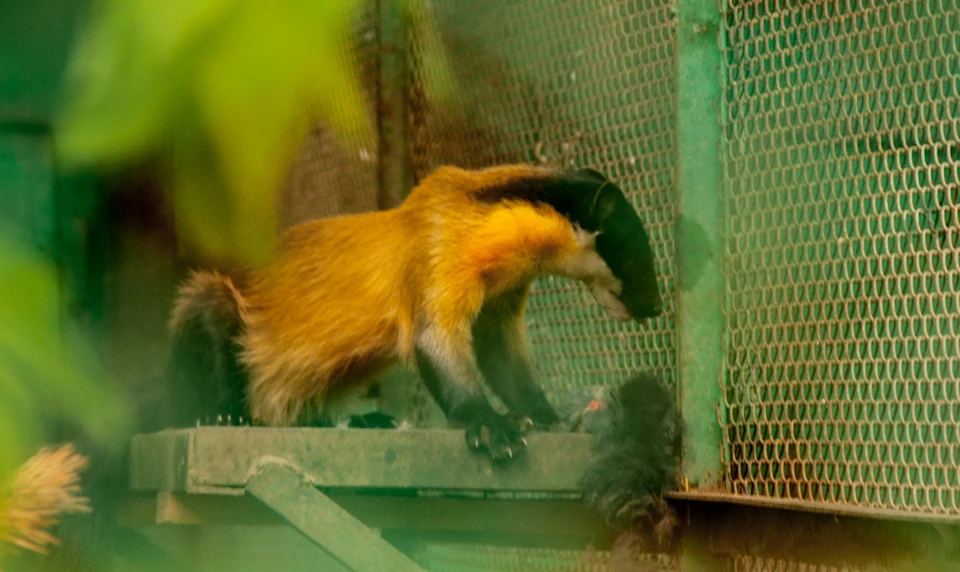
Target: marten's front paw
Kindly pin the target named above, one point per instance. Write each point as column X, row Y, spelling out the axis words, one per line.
column 500, row 437
column 543, row 419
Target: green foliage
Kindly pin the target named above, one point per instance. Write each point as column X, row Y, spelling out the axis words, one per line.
column 222, row 92
column 439, row 81
column 222, row 89
column 41, row 374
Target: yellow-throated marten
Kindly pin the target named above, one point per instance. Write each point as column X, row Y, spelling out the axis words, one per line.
column 439, row 282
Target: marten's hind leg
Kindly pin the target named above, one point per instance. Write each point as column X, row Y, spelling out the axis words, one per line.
column 448, row 368
column 503, row 354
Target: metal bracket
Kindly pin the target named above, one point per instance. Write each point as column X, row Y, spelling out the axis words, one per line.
column 282, row 488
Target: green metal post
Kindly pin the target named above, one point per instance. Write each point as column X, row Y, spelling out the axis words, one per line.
column 398, row 387
column 699, row 245
column 396, row 178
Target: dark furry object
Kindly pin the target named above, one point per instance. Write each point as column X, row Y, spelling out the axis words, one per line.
column 206, row 380
column 634, row 461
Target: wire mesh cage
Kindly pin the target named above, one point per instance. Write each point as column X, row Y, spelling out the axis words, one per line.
column 840, row 233
column 334, row 175
column 841, row 199
column 479, row 558
column 569, row 83
column 754, row 564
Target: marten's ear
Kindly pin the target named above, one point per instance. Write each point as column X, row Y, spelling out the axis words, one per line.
column 593, row 173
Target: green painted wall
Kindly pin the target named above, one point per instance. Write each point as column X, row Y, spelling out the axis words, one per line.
column 35, row 40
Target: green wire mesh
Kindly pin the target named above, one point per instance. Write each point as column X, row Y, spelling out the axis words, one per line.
column 755, row 564
column 841, row 139
column 329, row 175
column 568, row 83
column 478, row 558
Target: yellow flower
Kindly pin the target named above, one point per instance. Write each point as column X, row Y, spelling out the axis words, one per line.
column 45, row 487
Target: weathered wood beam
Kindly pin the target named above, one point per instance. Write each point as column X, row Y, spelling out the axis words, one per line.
column 289, row 493
column 567, row 518
column 218, row 459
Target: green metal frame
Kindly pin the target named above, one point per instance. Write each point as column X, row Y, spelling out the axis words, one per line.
column 396, row 177
column 757, row 538
column 699, row 247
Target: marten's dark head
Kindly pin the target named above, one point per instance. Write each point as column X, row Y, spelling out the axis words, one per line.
column 597, row 205
column 622, row 240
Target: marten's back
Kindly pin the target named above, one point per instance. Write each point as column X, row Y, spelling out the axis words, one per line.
column 332, row 302
column 344, row 296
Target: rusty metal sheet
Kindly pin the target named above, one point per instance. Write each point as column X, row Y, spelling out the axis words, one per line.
column 814, row 507
column 763, row 539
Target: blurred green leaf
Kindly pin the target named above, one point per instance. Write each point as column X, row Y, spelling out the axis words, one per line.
column 440, row 83
column 225, row 91
column 253, row 76
column 39, row 373
column 253, row 92
column 173, row 27
column 18, row 432
column 117, row 106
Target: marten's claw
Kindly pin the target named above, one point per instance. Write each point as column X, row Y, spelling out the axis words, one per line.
column 544, row 418
column 498, row 436
column 526, row 424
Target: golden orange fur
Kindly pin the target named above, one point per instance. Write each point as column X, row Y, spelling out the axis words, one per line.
column 203, row 284
column 346, row 297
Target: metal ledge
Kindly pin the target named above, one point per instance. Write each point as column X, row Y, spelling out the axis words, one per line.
column 220, row 460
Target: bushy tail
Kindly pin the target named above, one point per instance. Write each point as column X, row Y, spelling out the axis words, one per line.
column 205, row 378
column 635, row 461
